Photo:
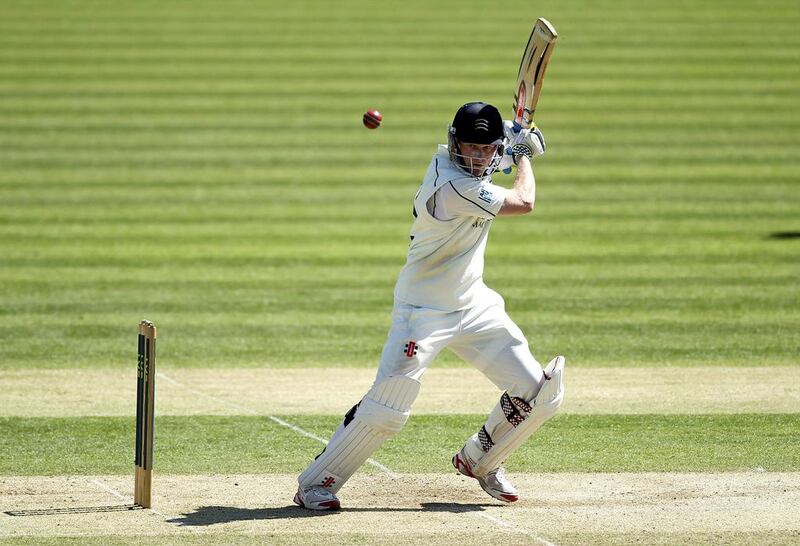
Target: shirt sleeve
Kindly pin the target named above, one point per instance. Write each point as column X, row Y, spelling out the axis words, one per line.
column 473, row 197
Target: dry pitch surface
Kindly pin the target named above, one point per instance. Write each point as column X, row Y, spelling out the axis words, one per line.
column 427, row 508
column 750, row 507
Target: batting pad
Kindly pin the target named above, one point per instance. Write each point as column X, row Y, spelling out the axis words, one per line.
column 379, row 415
column 522, row 422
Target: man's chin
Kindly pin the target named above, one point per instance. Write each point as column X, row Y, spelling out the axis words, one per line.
column 478, row 171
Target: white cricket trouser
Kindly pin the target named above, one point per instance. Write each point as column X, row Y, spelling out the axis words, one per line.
column 483, row 335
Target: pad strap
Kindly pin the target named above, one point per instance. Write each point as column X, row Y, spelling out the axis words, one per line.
column 522, row 420
column 379, row 415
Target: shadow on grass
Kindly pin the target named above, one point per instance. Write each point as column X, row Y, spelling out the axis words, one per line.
column 211, row 515
column 785, row 235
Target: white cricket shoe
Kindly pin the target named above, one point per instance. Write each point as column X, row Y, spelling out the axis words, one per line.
column 316, row 498
column 494, row 482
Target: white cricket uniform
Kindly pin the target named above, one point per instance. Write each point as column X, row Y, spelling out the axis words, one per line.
column 440, row 297
column 440, row 301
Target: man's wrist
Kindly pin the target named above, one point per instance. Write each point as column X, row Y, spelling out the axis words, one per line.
column 518, row 157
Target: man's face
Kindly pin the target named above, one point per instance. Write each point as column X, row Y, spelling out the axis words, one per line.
column 477, row 156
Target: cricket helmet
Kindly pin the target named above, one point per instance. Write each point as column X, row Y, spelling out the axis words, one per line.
column 476, row 123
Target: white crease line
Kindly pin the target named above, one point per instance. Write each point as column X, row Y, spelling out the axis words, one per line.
column 277, row 420
column 109, row 489
column 514, row 528
column 167, row 519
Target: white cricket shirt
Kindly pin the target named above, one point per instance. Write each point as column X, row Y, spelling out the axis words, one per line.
column 444, row 268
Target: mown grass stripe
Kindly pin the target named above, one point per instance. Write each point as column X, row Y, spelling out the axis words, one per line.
column 667, row 175
column 198, row 444
column 590, row 390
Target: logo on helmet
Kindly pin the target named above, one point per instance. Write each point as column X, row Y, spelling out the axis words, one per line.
column 481, row 124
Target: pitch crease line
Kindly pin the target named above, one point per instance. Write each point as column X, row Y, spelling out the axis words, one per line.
column 277, row 420
column 516, row 529
column 119, row 495
column 111, row 490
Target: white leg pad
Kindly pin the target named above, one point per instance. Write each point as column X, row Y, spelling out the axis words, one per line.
column 380, row 415
column 520, row 421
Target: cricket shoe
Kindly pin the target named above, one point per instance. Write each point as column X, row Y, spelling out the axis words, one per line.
column 494, row 482
column 316, row 498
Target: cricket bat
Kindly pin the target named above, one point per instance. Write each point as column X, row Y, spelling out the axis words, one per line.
column 531, row 72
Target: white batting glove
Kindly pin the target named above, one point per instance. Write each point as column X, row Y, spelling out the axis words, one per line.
column 527, row 142
column 506, row 162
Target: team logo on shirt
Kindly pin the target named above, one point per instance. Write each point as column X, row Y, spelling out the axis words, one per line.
column 411, row 349
column 485, row 195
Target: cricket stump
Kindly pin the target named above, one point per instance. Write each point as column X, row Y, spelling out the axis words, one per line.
column 145, row 398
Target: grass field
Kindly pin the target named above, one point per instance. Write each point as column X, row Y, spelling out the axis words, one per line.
column 203, row 165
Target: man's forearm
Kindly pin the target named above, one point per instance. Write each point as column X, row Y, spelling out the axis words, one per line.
column 525, row 183
column 520, row 198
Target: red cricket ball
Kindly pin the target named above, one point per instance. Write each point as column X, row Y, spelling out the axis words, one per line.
column 372, row 119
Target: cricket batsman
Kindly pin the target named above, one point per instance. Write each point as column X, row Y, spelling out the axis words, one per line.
column 440, row 300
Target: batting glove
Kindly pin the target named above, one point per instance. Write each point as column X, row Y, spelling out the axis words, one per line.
column 527, row 142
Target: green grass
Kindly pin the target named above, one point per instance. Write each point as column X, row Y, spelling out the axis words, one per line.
column 570, row 443
column 204, row 167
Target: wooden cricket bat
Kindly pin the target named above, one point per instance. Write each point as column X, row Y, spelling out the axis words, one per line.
column 531, row 72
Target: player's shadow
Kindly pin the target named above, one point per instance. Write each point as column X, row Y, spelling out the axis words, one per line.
column 211, row 515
